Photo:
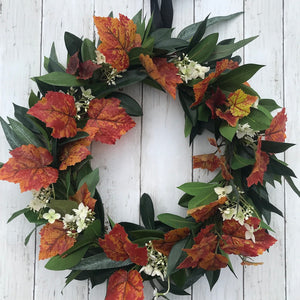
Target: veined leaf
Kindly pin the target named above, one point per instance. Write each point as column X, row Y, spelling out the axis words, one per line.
column 91, row 180
column 88, row 50
column 275, row 147
column 198, row 34
column 228, row 131
column 175, row 221
column 147, row 211
column 59, row 79
column 195, row 188
column 240, row 162
column 17, row 213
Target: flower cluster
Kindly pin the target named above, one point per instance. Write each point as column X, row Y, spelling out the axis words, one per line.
column 76, row 223
column 40, row 198
column 189, row 69
column 157, row 263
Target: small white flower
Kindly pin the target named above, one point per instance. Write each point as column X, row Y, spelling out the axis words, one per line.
column 51, row 216
column 249, row 234
column 228, row 213
column 36, row 204
column 240, row 216
column 81, row 225
column 100, row 58
column 147, row 269
column 157, row 272
column 223, row 192
column 82, row 211
column 244, row 130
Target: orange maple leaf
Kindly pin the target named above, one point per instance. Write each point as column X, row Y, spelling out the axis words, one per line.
column 117, row 246
column 203, row 212
column 261, row 162
column 83, row 195
column 54, row 240
column 227, row 116
column 206, row 161
column 234, row 238
column 29, row 167
column 57, row 111
column 276, row 131
column 217, row 99
column 123, row 285
column 117, row 37
column 203, row 253
column 224, row 168
column 170, row 239
column 73, row 153
column 165, row 73
column 240, row 103
column 201, row 87
column 108, row 121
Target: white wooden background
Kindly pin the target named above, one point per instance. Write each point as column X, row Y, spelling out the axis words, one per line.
column 154, row 157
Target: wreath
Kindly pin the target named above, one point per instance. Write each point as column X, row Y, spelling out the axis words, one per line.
column 85, row 102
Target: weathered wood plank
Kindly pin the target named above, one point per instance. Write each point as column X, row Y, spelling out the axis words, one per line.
column 230, row 29
column 19, row 60
column 291, row 95
column 58, row 17
column 262, row 282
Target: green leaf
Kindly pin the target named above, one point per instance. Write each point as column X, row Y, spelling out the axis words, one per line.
column 190, row 30
column 58, row 262
column 202, row 51
column 131, row 106
column 24, row 134
column 129, row 78
column 13, row 140
column 227, row 131
column 206, row 196
column 275, row 147
column 175, row 221
column 292, row 185
column 71, row 277
column 171, row 44
column 63, row 206
column 195, row 188
column 256, row 119
column 88, row 50
column 222, row 51
column 33, row 99
column 240, row 162
column 34, row 217
column 186, row 100
column 198, row 34
column 29, row 236
column 17, row 213
column 237, row 76
column 269, row 104
column 60, row 79
column 212, row 277
column 54, row 66
column 148, row 28
column 161, row 34
column 188, row 126
column 99, row 262
column 80, row 135
column 175, row 255
column 72, row 42
column 277, row 166
column 147, row 211
column 203, row 113
column 138, row 234
column 91, row 180
column 184, row 200
column 134, row 55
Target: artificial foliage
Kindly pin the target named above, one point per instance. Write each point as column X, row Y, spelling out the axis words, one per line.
column 84, row 102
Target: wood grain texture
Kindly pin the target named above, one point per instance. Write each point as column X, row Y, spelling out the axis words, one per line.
column 154, row 157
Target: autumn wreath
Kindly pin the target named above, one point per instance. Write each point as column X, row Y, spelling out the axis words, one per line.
column 84, row 103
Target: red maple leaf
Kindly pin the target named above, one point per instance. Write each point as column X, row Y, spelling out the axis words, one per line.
column 57, row 110
column 108, row 121
column 165, row 73
column 217, row 99
column 29, row 167
column 234, row 238
column 261, row 162
column 117, row 37
column 227, row 116
column 201, row 213
column 123, row 285
column 201, row 87
column 224, row 168
column 73, row 153
column 203, row 253
column 117, row 246
column 170, row 239
column 276, row 131
column 73, row 64
column 54, row 240
column 83, row 195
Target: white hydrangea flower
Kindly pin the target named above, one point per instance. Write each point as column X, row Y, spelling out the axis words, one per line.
column 243, row 130
column 228, row 213
column 81, row 225
column 240, row 215
column 223, row 191
column 67, row 219
column 189, row 69
column 249, row 234
column 51, row 216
